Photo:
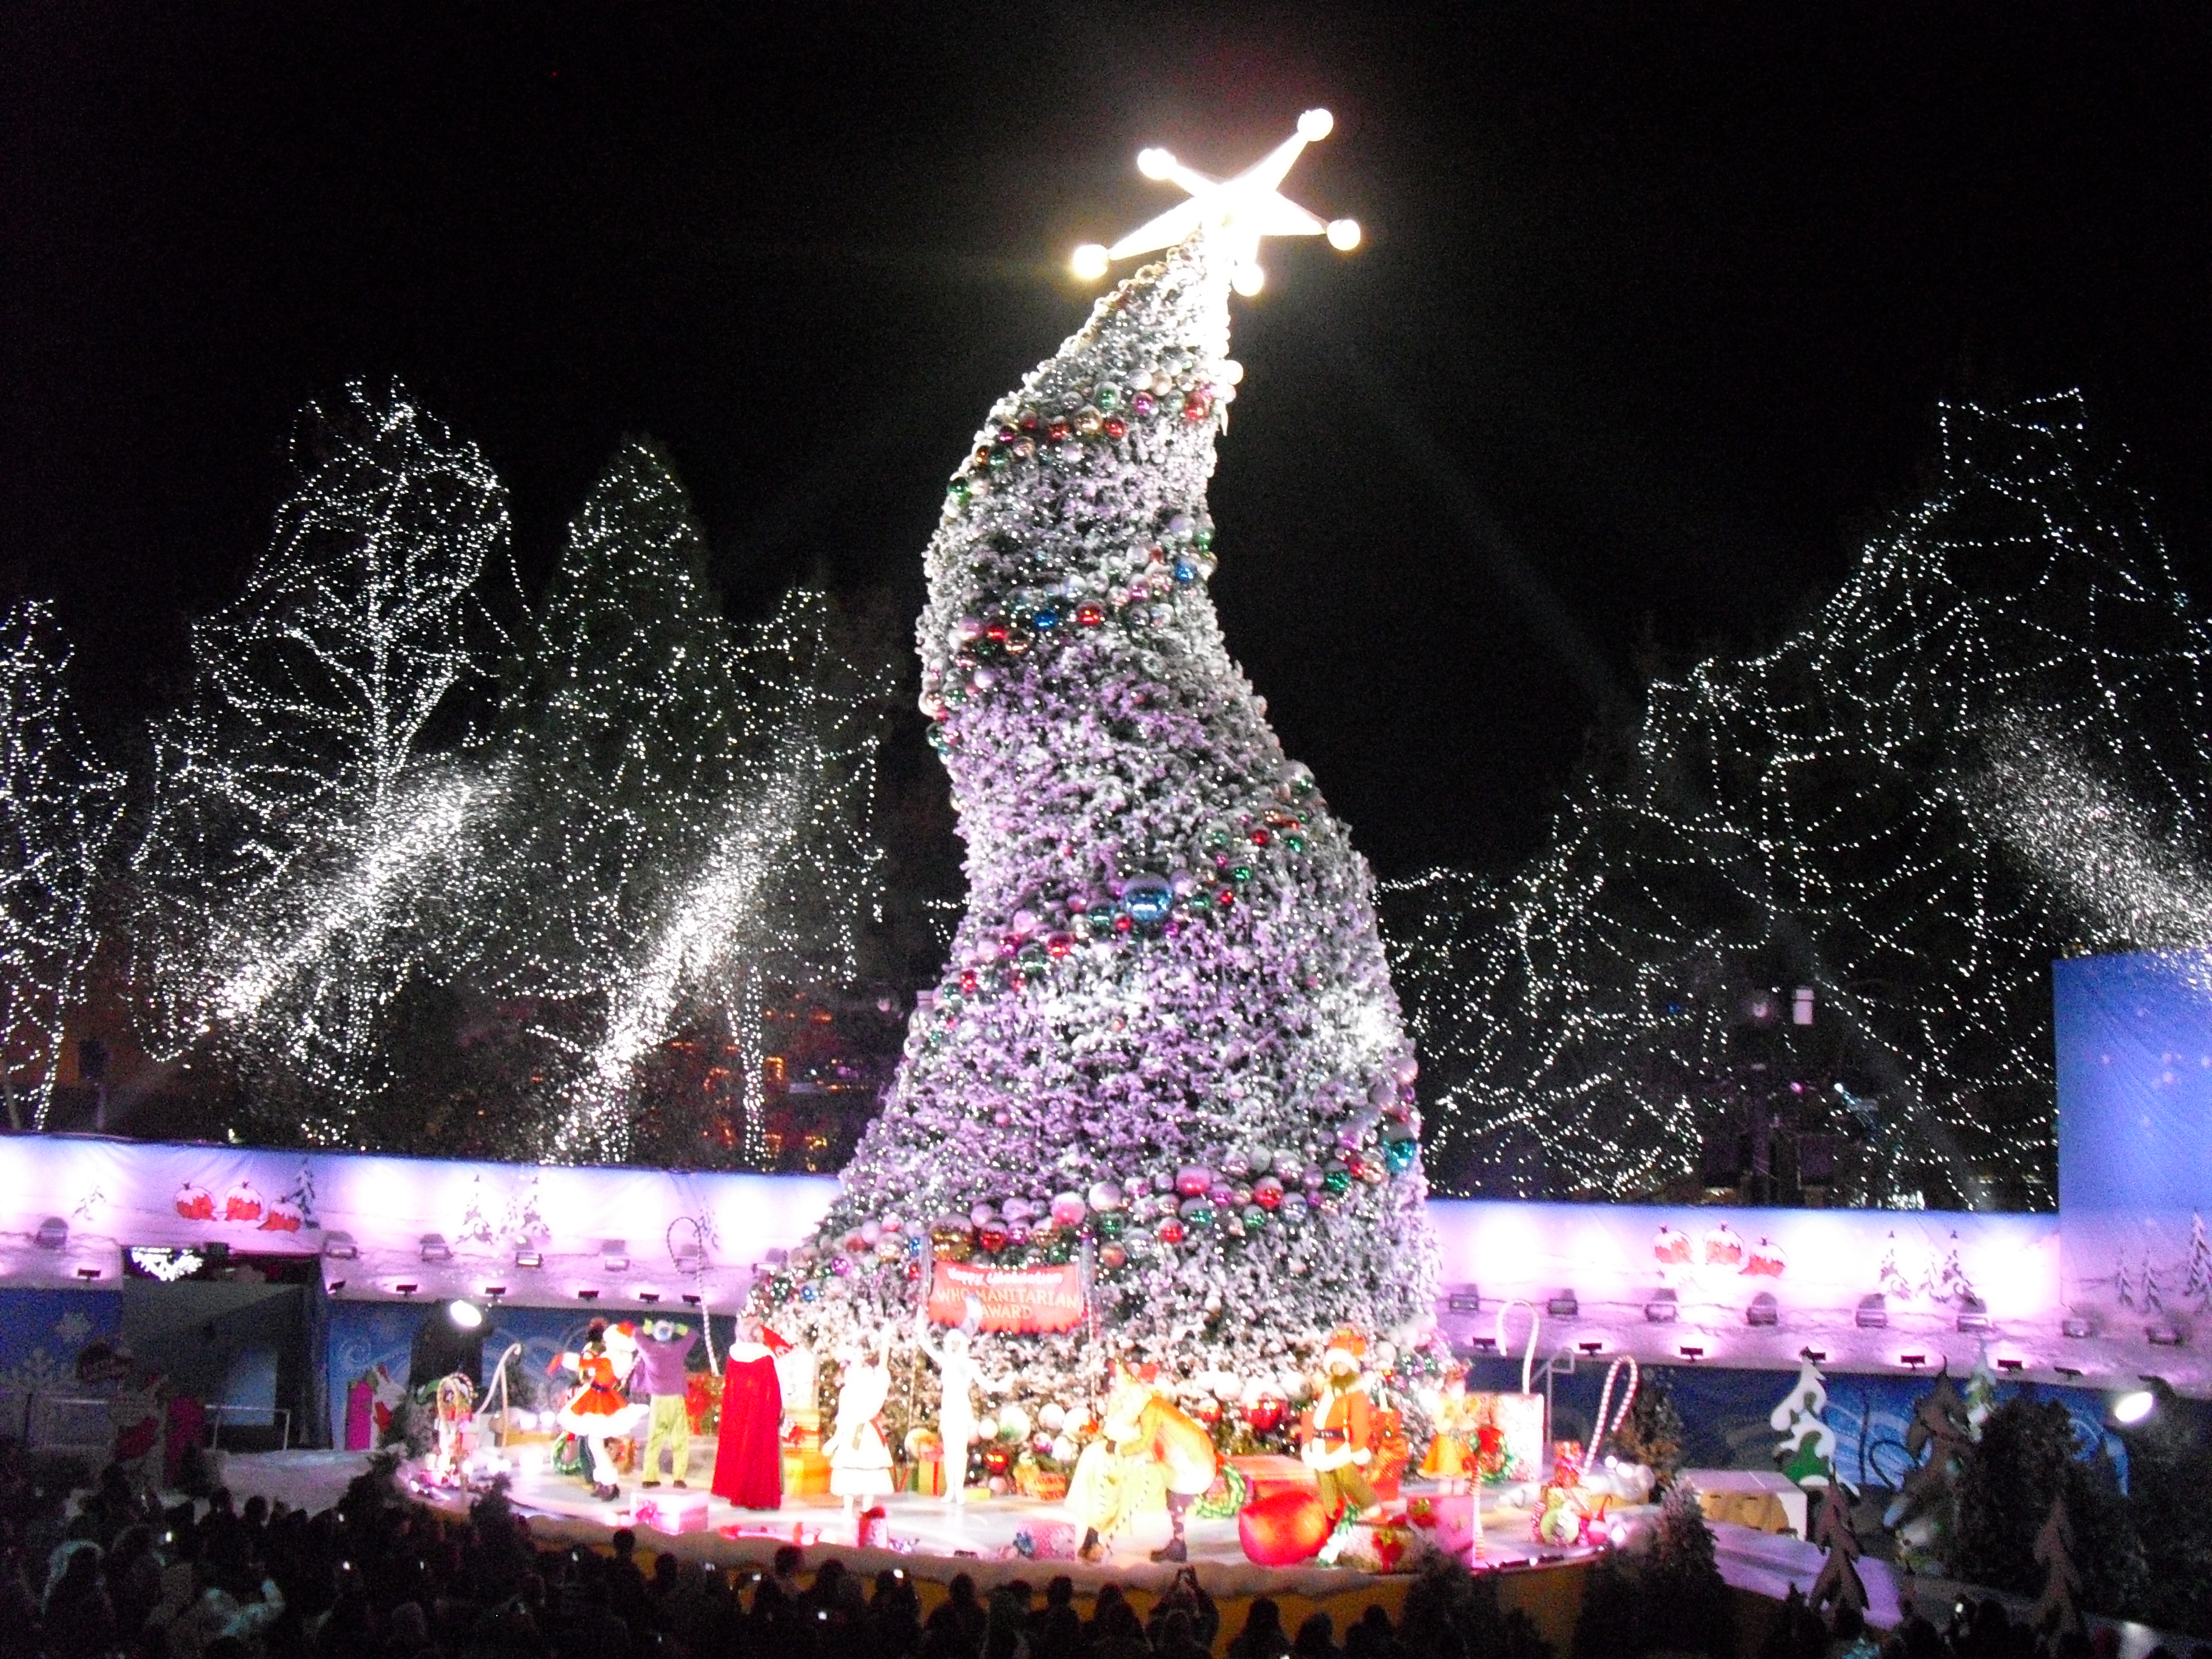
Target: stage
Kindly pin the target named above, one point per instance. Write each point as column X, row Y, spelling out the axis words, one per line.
column 931, row 1541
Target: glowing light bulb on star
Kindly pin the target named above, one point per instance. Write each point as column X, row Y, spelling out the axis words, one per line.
column 1315, row 125
column 1248, row 280
column 1344, row 235
column 1088, row 262
column 1155, row 162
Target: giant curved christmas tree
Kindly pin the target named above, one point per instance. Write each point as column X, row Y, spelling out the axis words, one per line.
column 1165, row 1050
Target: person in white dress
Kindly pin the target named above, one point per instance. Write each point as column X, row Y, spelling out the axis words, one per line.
column 860, row 1460
column 956, row 1414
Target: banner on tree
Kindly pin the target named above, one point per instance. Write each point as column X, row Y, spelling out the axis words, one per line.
column 1007, row 1298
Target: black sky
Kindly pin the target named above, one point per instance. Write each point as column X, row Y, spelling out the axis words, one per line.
column 1649, row 328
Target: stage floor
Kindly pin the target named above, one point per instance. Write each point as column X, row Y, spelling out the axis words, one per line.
column 929, row 1537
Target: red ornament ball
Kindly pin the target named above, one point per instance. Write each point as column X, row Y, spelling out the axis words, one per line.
column 1283, row 1529
column 1170, row 1230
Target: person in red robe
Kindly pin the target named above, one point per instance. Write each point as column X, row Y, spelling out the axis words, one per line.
column 748, row 1449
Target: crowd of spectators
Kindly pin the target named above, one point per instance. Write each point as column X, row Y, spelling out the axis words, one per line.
column 112, row 1572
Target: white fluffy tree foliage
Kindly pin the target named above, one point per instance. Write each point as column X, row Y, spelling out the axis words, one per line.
column 1989, row 749
column 299, row 839
column 1166, row 1044
column 58, row 811
column 687, row 820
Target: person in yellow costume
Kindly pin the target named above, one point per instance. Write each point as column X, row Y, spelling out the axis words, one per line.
column 1148, row 1452
column 1338, row 1430
column 1451, row 1462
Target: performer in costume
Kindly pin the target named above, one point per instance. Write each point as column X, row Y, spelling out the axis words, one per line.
column 1450, row 1460
column 1337, row 1430
column 599, row 1411
column 748, row 1453
column 860, row 1460
column 662, row 1348
column 956, row 1414
column 1147, row 1447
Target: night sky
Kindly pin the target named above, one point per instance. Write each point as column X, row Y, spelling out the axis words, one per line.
column 1647, row 336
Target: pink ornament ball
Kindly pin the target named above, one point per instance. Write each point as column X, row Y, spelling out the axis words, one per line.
column 1283, row 1529
column 1192, row 1180
column 1067, row 1210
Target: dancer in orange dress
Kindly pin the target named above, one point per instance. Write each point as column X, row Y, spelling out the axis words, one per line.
column 599, row 1411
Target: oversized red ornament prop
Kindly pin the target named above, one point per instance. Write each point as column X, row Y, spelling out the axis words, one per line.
column 1283, row 1529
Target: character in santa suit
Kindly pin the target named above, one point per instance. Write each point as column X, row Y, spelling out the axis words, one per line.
column 860, row 1461
column 599, row 1411
column 1338, row 1429
column 748, row 1450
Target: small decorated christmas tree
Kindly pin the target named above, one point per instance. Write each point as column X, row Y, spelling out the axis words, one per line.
column 1806, row 1451
column 1684, row 1581
column 1652, row 1435
column 2196, row 1289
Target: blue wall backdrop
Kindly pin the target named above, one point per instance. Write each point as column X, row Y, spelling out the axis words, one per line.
column 2135, row 1132
column 1724, row 1413
column 366, row 1335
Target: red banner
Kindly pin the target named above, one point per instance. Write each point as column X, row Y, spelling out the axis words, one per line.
column 1012, row 1298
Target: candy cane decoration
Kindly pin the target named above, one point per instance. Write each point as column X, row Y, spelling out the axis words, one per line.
column 1603, row 1431
column 1528, row 1360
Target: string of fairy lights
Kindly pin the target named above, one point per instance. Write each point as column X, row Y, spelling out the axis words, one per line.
column 60, row 809
column 298, row 844
column 690, row 826
column 1988, row 749
column 666, row 818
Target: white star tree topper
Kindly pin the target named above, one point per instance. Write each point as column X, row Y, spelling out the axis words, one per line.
column 1236, row 212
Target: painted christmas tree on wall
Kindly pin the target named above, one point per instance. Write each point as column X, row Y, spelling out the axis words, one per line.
column 1166, row 1047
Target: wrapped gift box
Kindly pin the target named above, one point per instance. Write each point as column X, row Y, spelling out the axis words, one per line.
column 926, row 1475
column 1267, row 1474
column 805, row 1472
column 1519, row 1421
column 679, row 1513
column 1449, row 1521
column 1391, row 1453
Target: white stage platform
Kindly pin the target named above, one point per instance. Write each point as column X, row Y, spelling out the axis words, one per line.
column 929, row 1538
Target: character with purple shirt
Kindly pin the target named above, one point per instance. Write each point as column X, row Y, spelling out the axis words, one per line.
column 662, row 1348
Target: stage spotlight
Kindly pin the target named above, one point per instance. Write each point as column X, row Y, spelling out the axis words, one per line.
column 2134, row 1405
column 406, row 1289
column 530, row 1258
column 465, row 1314
column 434, row 1248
